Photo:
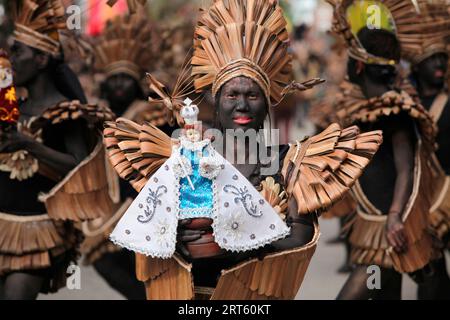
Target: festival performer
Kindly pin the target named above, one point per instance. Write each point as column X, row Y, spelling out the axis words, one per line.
column 390, row 229
column 53, row 161
column 429, row 61
column 121, row 54
column 199, row 221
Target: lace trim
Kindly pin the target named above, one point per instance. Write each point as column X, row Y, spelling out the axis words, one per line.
column 196, row 213
column 193, row 146
column 246, row 247
column 141, row 250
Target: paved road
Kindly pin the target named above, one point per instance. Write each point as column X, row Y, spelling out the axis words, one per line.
column 321, row 281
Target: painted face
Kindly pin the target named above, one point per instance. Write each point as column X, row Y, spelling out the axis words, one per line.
column 23, row 60
column 380, row 74
column 6, row 77
column 433, row 70
column 242, row 105
column 120, row 90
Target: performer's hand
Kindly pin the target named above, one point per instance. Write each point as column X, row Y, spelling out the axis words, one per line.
column 302, row 229
column 396, row 233
column 186, row 235
column 14, row 141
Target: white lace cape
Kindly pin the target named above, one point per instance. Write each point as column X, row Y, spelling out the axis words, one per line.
column 243, row 219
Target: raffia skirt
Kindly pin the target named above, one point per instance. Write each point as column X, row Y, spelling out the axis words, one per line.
column 40, row 245
column 368, row 228
column 440, row 212
column 277, row 277
column 368, row 237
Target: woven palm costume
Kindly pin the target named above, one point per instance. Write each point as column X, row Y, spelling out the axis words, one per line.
column 433, row 39
column 133, row 5
column 244, row 38
column 38, row 232
column 368, row 228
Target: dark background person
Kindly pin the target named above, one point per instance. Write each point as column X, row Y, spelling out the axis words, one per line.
column 429, row 76
column 37, row 247
column 392, row 169
column 122, row 54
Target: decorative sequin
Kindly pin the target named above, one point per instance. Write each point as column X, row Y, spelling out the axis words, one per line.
column 272, row 226
column 162, row 230
column 226, row 204
column 261, row 201
column 234, row 225
column 252, row 236
column 235, row 177
column 155, row 180
column 166, row 167
column 127, row 231
column 169, row 209
column 196, row 203
column 148, row 238
column 141, row 205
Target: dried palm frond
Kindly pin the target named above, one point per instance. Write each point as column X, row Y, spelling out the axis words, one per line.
column 243, row 38
column 136, row 151
column 37, row 23
column 275, row 196
column 132, row 4
column 173, row 101
column 127, row 45
column 352, row 107
column 320, row 170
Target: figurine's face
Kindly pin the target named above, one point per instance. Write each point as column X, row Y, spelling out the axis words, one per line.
column 26, row 63
column 242, row 105
column 433, row 70
column 193, row 135
column 6, row 78
column 120, row 90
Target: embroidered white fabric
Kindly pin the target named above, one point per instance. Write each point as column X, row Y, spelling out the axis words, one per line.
column 242, row 219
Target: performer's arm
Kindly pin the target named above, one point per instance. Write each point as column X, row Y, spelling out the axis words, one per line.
column 61, row 162
column 302, row 229
column 403, row 150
